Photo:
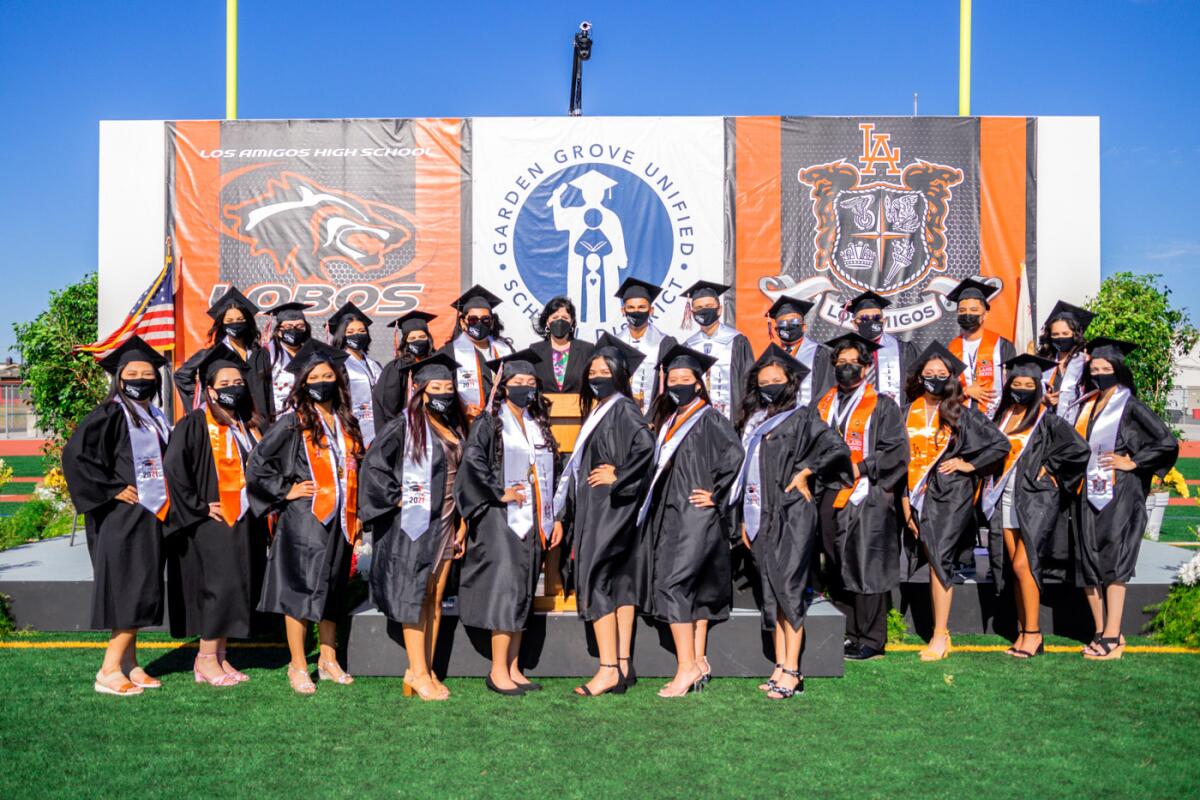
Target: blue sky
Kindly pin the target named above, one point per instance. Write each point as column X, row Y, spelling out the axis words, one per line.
column 66, row 65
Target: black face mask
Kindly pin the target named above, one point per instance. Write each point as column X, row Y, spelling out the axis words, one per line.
column 1105, row 382
column 139, row 388
column 322, row 391
column 602, row 387
column 847, row 375
column 1022, row 396
column 358, row 341
column 705, row 316
column 479, row 331
column 294, row 337
column 521, row 396
column 637, row 319
column 969, row 322
column 560, row 328
column 231, row 397
column 870, row 328
column 682, row 394
column 936, row 386
column 790, row 332
column 418, row 347
column 1062, row 344
column 237, row 330
column 440, row 403
column 772, row 393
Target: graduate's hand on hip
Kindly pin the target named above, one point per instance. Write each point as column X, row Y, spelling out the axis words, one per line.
column 603, row 475
column 302, row 489
column 955, row 465
column 128, row 495
column 701, row 498
column 515, row 494
column 1118, row 461
column 214, row 511
column 556, row 536
column 800, row 484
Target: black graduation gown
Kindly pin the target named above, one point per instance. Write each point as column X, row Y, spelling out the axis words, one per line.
column 185, row 382
column 788, row 531
column 740, row 364
column 1107, row 542
column 390, row 395
column 948, row 513
column 499, row 574
column 908, row 359
column 308, row 563
column 1055, row 451
column 400, row 567
column 219, row 568
column 686, row 563
column 576, row 365
column 124, row 541
column 600, row 523
column 867, row 541
column 822, row 371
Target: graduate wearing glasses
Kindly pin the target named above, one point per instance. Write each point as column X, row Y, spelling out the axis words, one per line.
column 478, row 338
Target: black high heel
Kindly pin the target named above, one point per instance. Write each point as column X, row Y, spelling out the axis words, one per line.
column 784, row 692
column 492, row 687
column 1041, row 648
column 630, row 676
column 584, row 691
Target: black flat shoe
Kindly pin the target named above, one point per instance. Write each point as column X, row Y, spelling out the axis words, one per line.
column 532, row 686
column 864, row 653
column 518, row 692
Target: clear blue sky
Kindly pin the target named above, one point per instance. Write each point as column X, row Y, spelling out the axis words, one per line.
column 66, row 65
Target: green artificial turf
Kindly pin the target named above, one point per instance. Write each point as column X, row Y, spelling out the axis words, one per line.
column 976, row 725
column 25, row 466
column 1180, row 524
column 1189, row 467
column 14, row 487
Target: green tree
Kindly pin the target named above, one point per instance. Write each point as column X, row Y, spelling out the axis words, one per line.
column 1136, row 308
column 64, row 385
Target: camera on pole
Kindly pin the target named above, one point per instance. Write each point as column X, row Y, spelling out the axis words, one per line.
column 583, row 51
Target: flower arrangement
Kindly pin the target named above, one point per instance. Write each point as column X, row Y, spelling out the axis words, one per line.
column 1174, row 481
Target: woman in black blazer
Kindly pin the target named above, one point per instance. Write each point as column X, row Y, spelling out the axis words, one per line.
column 563, row 357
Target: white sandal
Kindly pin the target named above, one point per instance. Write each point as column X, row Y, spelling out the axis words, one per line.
column 126, row 688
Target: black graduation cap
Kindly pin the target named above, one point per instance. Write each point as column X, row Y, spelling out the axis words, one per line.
column 1110, row 349
column 938, row 350
column 633, row 288
column 232, row 297
column 476, row 297
column 438, row 367
column 705, row 289
column 412, row 321
column 134, row 349
column 1080, row 315
column 611, row 346
column 288, row 312
column 220, row 357
column 971, row 289
column 519, row 363
column 774, row 354
column 786, row 304
column 867, row 299
column 347, row 312
column 681, row 357
column 1028, row 366
column 851, row 339
column 312, row 353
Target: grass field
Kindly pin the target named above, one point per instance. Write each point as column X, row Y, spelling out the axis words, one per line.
column 978, row 724
column 25, row 466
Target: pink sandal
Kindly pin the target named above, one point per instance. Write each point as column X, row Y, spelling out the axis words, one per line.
column 226, row 678
column 241, row 676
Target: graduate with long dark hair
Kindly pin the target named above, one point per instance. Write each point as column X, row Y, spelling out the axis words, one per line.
column 1129, row 445
column 349, row 329
column 950, row 446
column 790, row 454
column 218, row 544
column 413, row 342
column 407, row 504
column 505, row 492
column 478, row 338
column 1062, row 343
column 858, row 518
column 686, row 518
column 291, row 331
column 235, row 327
column 306, row 470
column 597, row 501
column 1034, row 489
column 113, row 465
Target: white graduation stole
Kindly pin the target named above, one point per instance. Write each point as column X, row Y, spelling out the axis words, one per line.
column 664, row 451
column 641, row 382
column 719, row 378
column 1068, row 390
column 889, row 379
column 572, row 469
column 363, row 374
column 749, row 479
column 471, row 363
column 1102, row 481
column 282, row 381
column 148, row 470
column 417, row 488
column 805, row 354
column 995, row 487
column 528, row 464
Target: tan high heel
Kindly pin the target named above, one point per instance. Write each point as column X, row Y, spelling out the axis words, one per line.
column 341, row 677
column 427, row 690
column 928, row 654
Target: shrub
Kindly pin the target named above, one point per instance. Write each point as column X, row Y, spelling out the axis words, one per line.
column 897, row 628
column 1177, row 619
column 34, row 520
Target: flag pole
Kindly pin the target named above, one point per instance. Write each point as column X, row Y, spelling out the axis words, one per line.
column 964, row 58
column 231, row 59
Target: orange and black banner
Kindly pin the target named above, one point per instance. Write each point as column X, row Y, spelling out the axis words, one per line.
column 824, row 208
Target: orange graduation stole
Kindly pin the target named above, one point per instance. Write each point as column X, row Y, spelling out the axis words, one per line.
column 925, row 443
column 856, row 431
column 985, row 359
column 328, row 474
column 231, row 477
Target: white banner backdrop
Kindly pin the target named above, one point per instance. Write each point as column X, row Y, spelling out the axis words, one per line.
column 574, row 206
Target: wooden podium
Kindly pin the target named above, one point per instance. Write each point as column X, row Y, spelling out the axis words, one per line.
column 565, row 421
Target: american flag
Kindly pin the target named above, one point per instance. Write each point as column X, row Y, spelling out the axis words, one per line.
column 152, row 316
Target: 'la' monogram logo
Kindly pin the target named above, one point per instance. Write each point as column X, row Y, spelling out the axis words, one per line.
column 877, row 149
